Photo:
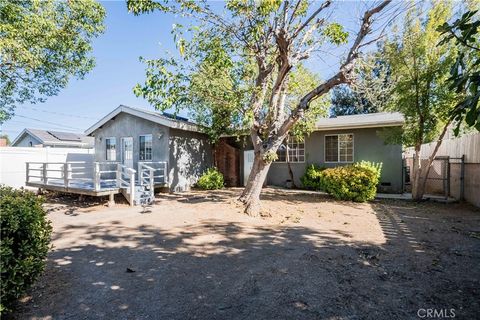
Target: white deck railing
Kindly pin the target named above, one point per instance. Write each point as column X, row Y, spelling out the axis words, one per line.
column 160, row 171
column 94, row 176
column 126, row 182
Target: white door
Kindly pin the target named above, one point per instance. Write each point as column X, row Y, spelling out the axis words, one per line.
column 127, row 152
column 248, row 157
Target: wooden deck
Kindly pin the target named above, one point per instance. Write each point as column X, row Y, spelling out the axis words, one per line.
column 88, row 191
column 95, row 179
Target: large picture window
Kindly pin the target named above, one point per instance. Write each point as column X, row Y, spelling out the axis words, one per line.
column 111, row 147
column 339, row 148
column 293, row 149
column 145, row 147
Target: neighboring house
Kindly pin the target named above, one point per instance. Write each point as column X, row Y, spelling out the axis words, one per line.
column 52, row 139
column 130, row 135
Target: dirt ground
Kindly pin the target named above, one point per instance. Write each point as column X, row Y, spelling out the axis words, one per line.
column 197, row 256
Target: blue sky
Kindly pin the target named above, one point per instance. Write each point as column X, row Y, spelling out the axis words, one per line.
column 118, row 69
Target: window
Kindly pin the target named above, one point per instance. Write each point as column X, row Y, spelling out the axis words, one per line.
column 111, row 147
column 294, row 149
column 339, row 148
column 146, row 147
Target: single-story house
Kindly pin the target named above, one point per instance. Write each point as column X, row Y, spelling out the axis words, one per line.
column 343, row 140
column 130, row 135
column 52, row 139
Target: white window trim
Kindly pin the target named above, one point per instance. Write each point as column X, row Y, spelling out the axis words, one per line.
column 144, row 135
column 286, row 154
column 338, row 148
column 116, row 145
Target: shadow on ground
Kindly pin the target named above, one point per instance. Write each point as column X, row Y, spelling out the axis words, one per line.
column 226, row 270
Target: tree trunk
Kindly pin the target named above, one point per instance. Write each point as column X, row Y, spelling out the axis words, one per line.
column 251, row 194
column 423, row 181
column 290, row 173
column 417, row 193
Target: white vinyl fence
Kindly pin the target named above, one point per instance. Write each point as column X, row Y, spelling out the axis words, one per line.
column 13, row 161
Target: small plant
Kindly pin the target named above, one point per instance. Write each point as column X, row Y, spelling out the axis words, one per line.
column 212, row 179
column 311, row 179
column 25, row 241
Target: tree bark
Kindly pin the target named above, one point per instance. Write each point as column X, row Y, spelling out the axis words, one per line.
column 421, row 182
column 251, row 194
column 417, row 194
column 290, row 173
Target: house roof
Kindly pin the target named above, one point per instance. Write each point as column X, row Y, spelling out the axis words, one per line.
column 370, row 120
column 57, row 138
column 167, row 120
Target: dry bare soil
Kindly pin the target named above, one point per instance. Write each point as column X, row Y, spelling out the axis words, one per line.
column 196, row 256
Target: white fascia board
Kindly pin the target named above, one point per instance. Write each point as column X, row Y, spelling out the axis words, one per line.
column 145, row 115
column 358, row 126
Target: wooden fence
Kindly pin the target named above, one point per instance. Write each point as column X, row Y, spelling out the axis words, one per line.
column 468, row 145
column 463, row 179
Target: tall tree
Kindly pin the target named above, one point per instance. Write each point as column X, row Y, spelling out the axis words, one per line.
column 420, row 69
column 346, row 101
column 370, row 91
column 273, row 37
column 43, row 43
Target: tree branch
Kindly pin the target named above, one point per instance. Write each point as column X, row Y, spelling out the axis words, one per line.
column 341, row 76
column 307, row 22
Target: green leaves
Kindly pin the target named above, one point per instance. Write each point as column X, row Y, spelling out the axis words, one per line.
column 420, row 70
column 335, row 33
column 465, row 70
column 43, row 45
column 212, row 179
column 25, row 234
column 357, row 182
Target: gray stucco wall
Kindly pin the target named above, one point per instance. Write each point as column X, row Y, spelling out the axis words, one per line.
column 125, row 125
column 25, row 141
column 367, row 146
column 188, row 154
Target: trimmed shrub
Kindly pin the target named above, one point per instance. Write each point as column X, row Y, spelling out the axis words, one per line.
column 212, row 179
column 311, row 179
column 25, row 241
column 374, row 166
column 357, row 182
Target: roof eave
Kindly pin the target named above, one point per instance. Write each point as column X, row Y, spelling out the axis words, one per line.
column 145, row 115
column 26, row 131
column 358, row 126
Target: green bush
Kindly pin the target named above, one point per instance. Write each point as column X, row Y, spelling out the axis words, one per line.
column 212, row 179
column 311, row 179
column 25, row 241
column 374, row 166
column 357, row 182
